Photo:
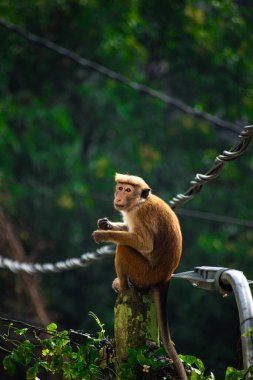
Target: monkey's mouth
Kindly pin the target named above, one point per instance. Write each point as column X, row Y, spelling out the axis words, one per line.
column 118, row 206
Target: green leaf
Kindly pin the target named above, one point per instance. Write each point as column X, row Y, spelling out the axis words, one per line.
column 9, row 365
column 189, row 359
column 195, row 375
column 48, row 344
column 32, row 372
column 126, row 372
column 142, row 359
column 45, row 352
column 200, row 365
column 18, row 356
column 160, row 351
column 132, row 357
column 52, row 327
column 101, row 334
column 21, row 331
column 44, row 365
column 234, row 374
column 93, row 369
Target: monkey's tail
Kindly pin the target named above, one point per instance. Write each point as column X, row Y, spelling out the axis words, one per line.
column 160, row 297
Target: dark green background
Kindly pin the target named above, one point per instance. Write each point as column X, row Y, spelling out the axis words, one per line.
column 65, row 130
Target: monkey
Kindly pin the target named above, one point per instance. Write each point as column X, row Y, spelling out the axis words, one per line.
column 148, row 247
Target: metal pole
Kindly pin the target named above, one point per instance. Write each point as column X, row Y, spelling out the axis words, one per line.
column 227, row 280
column 244, row 302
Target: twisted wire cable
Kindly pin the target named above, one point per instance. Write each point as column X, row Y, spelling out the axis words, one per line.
column 201, row 179
column 60, row 266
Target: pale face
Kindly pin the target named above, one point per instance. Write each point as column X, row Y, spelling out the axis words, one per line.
column 125, row 196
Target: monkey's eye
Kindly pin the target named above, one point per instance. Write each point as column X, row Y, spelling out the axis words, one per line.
column 120, row 188
column 128, row 190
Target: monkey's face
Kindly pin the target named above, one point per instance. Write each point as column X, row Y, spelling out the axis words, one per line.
column 126, row 196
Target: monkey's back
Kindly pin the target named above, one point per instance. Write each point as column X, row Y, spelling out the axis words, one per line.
column 163, row 225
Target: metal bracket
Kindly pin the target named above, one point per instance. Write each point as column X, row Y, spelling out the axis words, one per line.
column 207, row 278
column 225, row 281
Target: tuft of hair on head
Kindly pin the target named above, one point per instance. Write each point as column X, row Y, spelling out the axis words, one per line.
column 135, row 181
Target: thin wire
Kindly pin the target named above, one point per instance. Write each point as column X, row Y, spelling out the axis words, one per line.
column 74, row 335
column 215, row 217
column 119, row 77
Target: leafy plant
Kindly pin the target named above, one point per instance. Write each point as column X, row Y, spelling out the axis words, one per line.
column 148, row 360
column 143, row 359
column 196, row 368
column 101, row 333
column 56, row 354
column 41, row 351
column 235, row 374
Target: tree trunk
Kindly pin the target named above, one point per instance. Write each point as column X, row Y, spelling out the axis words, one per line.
column 16, row 251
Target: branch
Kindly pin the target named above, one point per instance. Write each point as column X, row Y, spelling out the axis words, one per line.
column 169, row 100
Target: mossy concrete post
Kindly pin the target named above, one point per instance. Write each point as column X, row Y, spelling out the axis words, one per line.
column 135, row 321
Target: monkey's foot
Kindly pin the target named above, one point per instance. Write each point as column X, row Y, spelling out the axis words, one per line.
column 120, row 286
column 116, row 285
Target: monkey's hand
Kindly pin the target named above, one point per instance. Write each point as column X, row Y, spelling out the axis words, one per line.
column 104, row 224
column 99, row 236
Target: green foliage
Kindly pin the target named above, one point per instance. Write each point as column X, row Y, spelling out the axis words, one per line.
column 101, row 333
column 144, row 359
column 94, row 359
column 155, row 361
column 56, row 354
column 196, row 367
column 234, row 374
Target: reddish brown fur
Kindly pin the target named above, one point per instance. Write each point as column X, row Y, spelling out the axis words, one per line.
column 149, row 243
column 149, row 246
column 155, row 233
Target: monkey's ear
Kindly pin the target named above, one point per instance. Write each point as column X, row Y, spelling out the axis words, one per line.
column 145, row 193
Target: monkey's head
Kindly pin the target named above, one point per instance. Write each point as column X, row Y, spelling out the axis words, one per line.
column 130, row 192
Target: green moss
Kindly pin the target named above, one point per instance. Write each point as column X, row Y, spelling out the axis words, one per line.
column 135, row 321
